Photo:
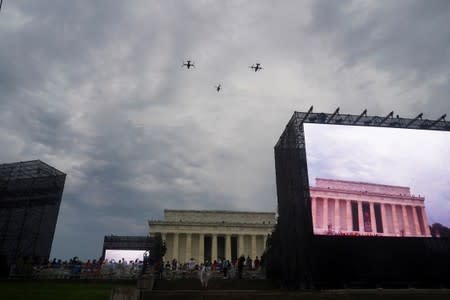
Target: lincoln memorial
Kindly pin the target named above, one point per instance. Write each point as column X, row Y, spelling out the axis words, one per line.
column 347, row 207
column 212, row 234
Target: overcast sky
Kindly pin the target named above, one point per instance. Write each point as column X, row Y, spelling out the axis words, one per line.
column 96, row 89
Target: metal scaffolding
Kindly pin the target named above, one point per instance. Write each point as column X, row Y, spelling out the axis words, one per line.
column 125, row 242
column 294, row 245
column 30, row 196
column 154, row 244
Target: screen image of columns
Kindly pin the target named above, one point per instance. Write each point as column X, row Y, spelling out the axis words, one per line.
column 378, row 181
column 124, row 255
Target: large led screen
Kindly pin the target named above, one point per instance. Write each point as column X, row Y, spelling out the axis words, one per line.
column 370, row 181
column 124, row 255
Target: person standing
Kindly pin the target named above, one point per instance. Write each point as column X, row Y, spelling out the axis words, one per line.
column 225, row 264
column 256, row 262
column 145, row 262
column 249, row 263
column 241, row 262
column 204, row 275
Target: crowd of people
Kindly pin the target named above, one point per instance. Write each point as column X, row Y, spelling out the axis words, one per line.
column 221, row 267
column 122, row 269
column 75, row 268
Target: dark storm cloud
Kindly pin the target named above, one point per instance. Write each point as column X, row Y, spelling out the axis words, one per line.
column 405, row 36
column 63, row 42
column 409, row 40
column 96, row 89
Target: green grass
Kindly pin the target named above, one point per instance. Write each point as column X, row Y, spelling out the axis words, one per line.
column 83, row 290
column 65, row 290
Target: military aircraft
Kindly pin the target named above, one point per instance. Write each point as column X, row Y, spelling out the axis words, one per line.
column 218, row 87
column 188, row 64
column 257, row 67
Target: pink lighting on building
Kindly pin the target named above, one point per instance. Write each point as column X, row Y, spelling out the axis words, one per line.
column 357, row 208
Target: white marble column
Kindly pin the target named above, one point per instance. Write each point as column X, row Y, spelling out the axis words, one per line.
column 337, row 219
column 201, row 248
column 265, row 242
column 360, row 217
column 406, row 225
column 331, row 214
column 214, row 248
column 325, row 214
column 253, row 249
column 348, row 217
column 416, row 224
column 395, row 220
column 313, row 212
column 240, row 245
column 384, row 220
column 425, row 221
column 188, row 252
column 228, row 247
column 175, row 246
column 373, row 223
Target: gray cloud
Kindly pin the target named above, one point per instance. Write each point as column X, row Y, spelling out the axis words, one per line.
column 405, row 36
column 408, row 42
column 96, row 89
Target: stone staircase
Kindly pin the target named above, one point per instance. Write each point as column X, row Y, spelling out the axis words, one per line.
column 344, row 294
column 188, row 288
column 214, row 284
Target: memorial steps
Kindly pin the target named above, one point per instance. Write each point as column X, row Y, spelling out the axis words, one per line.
column 215, row 284
column 346, row 294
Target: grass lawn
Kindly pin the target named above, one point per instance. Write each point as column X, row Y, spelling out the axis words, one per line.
column 65, row 290
column 82, row 290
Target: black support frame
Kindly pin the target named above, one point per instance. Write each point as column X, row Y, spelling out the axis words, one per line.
column 30, row 197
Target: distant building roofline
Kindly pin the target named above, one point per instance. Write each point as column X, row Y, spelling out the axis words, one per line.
column 219, row 211
column 361, row 182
